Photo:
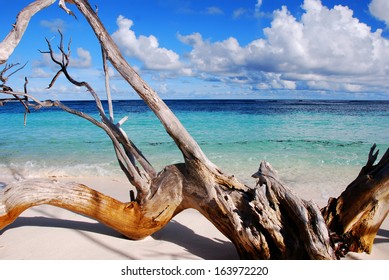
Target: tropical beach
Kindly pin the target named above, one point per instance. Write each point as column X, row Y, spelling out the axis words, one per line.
column 196, row 130
column 317, row 147
column 50, row 233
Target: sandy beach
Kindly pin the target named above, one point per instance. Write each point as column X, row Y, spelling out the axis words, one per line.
column 46, row 232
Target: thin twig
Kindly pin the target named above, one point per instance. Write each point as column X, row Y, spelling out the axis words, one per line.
column 63, row 6
column 107, row 86
column 26, row 99
column 17, row 70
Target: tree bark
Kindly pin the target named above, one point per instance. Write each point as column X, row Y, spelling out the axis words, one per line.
column 8, row 45
column 357, row 214
column 267, row 221
column 132, row 219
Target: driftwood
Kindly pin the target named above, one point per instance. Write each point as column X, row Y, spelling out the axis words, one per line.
column 356, row 215
column 266, row 221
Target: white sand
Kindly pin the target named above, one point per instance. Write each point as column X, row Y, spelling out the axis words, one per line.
column 47, row 232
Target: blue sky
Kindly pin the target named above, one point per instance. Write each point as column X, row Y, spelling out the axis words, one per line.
column 329, row 49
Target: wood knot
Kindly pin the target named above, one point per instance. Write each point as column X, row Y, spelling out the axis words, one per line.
column 129, row 205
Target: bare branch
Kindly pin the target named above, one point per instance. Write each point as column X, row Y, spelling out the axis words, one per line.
column 10, row 42
column 125, row 150
column 107, row 87
column 26, row 99
column 63, row 6
column 190, row 149
column 8, row 90
column 123, row 147
column 17, row 70
column 7, row 67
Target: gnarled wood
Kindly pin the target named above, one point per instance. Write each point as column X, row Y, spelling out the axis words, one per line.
column 357, row 214
column 265, row 222
column 258, row 229
column 132, row 219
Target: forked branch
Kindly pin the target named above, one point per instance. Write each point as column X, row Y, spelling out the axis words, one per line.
column 5, row 89
column 190, row 149
column 126, row 151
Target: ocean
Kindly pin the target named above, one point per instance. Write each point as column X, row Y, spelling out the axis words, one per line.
column 313, row 144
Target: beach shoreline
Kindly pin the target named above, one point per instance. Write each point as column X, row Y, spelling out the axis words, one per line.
column 46, row 232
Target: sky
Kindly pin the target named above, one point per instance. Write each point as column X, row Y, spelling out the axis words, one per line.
column 248, row 49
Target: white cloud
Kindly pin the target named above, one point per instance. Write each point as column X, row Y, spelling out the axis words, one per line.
column 58, row 91
column 239, row 13
column 221, row 56
column 380, row 9
column 54, row 25
column 214, row 11
column 84, row 59
column 145, row 49
column 326, row 48
column 258, row 6
column 274, row 81
column 163, row 88
column 44, row 61
column 40, row 73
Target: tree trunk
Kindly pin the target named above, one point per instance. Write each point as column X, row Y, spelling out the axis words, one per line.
column 267, row 221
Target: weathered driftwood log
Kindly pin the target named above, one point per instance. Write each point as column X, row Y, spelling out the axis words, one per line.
column 357, row 214
column 267, row 221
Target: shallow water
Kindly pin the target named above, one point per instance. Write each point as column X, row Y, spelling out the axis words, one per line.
column 314, row 145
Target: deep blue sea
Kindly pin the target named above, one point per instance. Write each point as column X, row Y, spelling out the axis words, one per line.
column 312, row 144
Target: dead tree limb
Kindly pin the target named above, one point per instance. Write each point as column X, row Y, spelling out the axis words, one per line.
column 10, row 42
column 4, row 88
column 127, row 218
column 125, row 149
column 357, row 214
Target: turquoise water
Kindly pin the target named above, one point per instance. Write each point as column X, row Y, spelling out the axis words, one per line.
column 313, row 144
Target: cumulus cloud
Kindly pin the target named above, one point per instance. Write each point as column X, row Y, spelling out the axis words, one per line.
column 221, row 56
column 40, row 73
column 144, row 48
column 83, row 59
column 326, row 48
column 44, row 61
column 380, row 9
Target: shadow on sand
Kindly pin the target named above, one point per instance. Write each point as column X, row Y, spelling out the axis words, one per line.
column 174, row 232
column 382, row 236
column 198, row 245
